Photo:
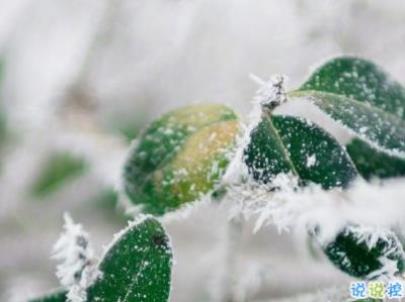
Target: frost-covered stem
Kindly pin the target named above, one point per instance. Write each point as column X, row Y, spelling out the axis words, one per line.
column 271, row 93
column 231, row 292
column 77, row 268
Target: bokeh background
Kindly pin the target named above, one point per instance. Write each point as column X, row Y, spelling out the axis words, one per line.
column 80, row 78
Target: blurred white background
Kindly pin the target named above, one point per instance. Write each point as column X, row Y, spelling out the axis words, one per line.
column 83, row 76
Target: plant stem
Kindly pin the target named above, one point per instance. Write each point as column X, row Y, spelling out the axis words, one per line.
column 231, row 292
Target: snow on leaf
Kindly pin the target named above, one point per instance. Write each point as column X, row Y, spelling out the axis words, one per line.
column 362, row 97
column 136, row 266
column 382, row 130
column 372, row 163
column 283, row 144
column 311, row 160
column 366, row 252
column 180, row 157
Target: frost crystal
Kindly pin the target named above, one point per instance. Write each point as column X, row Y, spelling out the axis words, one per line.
column 77, row 269
column 311, row 161
column 293, row 207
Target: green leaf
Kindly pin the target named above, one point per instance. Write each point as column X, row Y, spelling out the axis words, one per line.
column 349, row 252
column 137, row 267
column 363, row 98
column 283, row 144
column 59, row 296
column 59, row 168
column 373, row 163
column 180, row 157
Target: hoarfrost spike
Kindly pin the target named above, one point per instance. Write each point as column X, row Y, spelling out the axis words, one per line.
column 77, row 267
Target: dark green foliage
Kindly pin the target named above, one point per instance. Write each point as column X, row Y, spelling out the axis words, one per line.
column 283, row 144
column 59, row 168
column 353, row 256
column 362, row 97
column 373, row 163
column 266, row 156
column 372, row 124
column 136, row 268
column 331, row 168
column 360, row 80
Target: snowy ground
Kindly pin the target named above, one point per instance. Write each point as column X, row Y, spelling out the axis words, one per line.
column 129, row 61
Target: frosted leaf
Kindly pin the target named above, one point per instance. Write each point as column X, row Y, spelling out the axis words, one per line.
column 362, row 97
column 180, row 157
column 283, row 144
column 372, row 163
column 382, row 130
column 366, row 252
column 360, row 80
column 136, row 266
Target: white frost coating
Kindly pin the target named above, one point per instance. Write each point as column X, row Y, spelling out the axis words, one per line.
column 360, row 134
column 187, row 209
column 311, row 161
column 77, row 269
column 376, row 206
column 371, row 204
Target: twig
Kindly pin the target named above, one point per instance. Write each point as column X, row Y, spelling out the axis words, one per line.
column 230, row 291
